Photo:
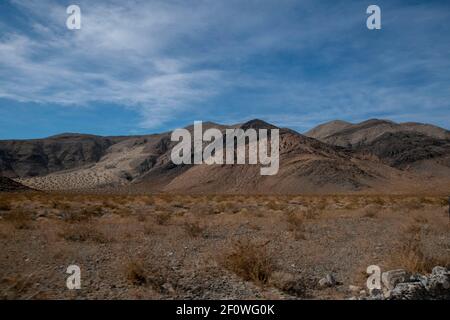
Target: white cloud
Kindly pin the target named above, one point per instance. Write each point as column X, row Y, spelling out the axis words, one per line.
column 165, row 57
column 119, row 56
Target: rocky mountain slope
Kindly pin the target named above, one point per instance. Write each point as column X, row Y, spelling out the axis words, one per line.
column 346, row 134
column 416, row 147
column 37, row 157
column 307, row 165
column 9, row 185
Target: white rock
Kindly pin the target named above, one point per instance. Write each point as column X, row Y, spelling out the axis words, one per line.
column 393, row 277
column 354, row 289
column 328, row 281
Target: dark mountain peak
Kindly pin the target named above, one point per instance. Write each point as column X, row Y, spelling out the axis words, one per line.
column 206, row 125
column 72, row 135
column 328, row 128
column 257, row 124
column 337, row 121
column 9, row 185
column 375, row 122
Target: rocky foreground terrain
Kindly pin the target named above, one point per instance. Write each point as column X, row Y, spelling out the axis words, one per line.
column 218, row 247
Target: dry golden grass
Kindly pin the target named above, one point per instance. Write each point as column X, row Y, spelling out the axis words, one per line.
column 412, row 256
column 274, row 205
column 371, row 211
column 250, row 261
column 136, row 273
column 420, row 219
column 288, row 283
column 140, row 272
column 84, row 232
column 296, row 224
column 184, row 231
column 5, row 205
column 162, row 218
column 19, row 287
column 193, row 228
column 19, row 219
column 149, row 228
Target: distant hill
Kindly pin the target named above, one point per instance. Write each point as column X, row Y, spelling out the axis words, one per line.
column 9, row 185
column 346, row 134
column 373, row 156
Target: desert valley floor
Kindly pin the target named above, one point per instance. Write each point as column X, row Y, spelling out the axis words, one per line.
column 347, row 196
column 215, row 246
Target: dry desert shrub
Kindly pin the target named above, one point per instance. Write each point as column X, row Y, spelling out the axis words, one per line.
column 136, row 273
column 17, row 287
column 93, row 211
column 429, row 200
column 140, row 272
column 420, row 219
column 193, row 228
column 379, row 201
column 141, row 217
column 19, row 219
column 109, row 205
column 72, row 216
column 412, row 204
column 288, row 283
column 311, row 213
column 250, row 261
column 296, row 224
column 443, row 202
column 162, row 218
column 149, row 228
column 413, row 229
column 371, row 211
column 413, row 257
column 5, row 205
column 275, row 205
column 321, row 205
column 84, row 232
column 58, row 204
column 295, row 221
column 229, row 206
column 149, row 201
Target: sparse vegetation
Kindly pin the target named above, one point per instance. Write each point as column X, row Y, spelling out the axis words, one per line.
column 136, row 273
column 371, row 211
column 162, row 218
column 19, row 219
column 412, row 255
column 296, row 224
column 5, row 205
column 17, row 287
column 250, row 261
column 144, row 273
column 84, row 233
column 193, row 228
column 289, row 284
column 174, row 238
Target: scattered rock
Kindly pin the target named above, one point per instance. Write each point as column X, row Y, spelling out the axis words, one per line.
column 408, row 291
column 392, row 278
column 354, row 289
column 167, row 287
column 399, row 285
column 328, row 281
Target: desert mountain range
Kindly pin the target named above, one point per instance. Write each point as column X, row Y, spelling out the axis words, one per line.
column 335, row 157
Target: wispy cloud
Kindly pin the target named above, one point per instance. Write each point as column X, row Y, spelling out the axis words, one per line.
column 288, row 62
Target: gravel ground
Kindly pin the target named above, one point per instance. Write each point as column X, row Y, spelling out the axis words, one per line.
column 179, row 247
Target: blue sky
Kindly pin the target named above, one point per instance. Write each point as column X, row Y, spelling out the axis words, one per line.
column 139, row 67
